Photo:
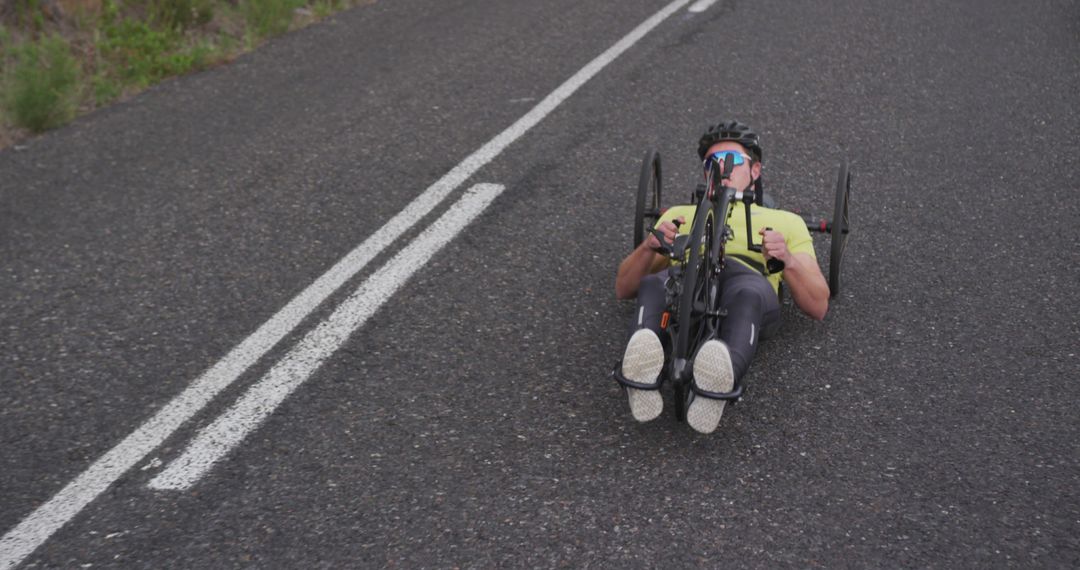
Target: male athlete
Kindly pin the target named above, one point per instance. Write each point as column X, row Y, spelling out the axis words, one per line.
column 749, row 297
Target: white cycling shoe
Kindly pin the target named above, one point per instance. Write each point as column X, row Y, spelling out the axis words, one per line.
column 642, row 363
column 712, row 373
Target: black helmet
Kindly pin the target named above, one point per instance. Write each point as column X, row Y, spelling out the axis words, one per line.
column 730, row 131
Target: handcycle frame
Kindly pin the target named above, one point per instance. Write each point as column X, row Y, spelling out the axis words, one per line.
column 697, row 317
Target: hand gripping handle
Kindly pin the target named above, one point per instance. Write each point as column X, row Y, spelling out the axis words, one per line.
column 773, row 265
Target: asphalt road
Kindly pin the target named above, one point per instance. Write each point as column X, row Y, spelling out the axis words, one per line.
column 929, row 421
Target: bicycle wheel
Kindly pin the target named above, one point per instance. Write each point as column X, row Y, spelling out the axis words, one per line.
column 648, row 196
column 840, row 227
column 694, row 296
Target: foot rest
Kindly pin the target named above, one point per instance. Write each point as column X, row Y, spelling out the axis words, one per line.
column 616, row 373
column 731, row 396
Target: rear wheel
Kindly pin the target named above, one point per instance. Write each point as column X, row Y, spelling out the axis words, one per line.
column 648, row 196
column 840, row 227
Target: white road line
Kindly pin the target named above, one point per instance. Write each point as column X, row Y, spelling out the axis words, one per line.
column 700, row 6
column 37, row 527
column 219, row 438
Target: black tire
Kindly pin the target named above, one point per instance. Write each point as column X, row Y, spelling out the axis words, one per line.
column 840, row 227
column 680, row 400
column 648, row 196
column 696, row 277
column 694, row 299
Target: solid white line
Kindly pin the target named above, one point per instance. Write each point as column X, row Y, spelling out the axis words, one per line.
column 37, row 527
column 219, row 438
column 700, row 6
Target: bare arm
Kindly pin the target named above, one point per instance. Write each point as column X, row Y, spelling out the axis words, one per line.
column 801, row 273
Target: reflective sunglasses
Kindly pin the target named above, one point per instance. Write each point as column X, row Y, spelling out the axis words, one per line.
column 737, row 158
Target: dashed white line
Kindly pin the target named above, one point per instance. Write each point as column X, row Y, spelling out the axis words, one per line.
column 220, row 437
column 39, row 525
column 700, row 6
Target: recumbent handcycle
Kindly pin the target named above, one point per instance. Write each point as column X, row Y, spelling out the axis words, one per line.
column 693, row 313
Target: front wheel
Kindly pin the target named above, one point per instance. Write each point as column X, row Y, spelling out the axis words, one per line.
column 694, row 297
column 680, row 390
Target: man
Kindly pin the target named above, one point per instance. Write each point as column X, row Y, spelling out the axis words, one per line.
column 749, row 297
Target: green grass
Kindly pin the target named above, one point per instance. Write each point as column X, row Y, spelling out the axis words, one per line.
column 119, row 47
column 41, row 91
column 179, row 15
column 140, row 56
column 105, row 89
column 28, row 13
column 324, row 8
column 266, row 18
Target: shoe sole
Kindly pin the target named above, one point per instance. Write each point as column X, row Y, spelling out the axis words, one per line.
column 642, row 363
column 713, row 373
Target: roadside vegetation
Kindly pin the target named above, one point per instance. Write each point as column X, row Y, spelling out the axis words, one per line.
column 63, row 58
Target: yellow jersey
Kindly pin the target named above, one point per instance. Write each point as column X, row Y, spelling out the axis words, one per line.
column 790, row 225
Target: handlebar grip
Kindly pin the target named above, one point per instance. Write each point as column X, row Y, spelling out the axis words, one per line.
column 773, row 265
column 666, row 249
column 660, row 238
